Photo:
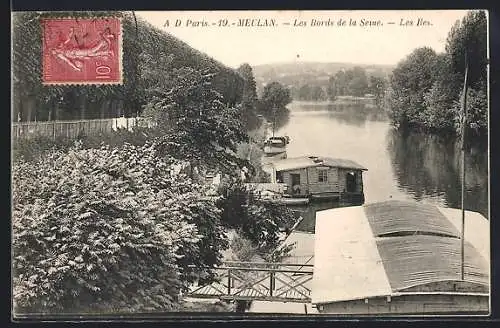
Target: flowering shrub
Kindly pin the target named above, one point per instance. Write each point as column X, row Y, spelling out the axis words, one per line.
column 108, row 229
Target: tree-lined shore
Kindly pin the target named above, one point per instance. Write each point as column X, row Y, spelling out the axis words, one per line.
column 126, row 221
column 426, row 88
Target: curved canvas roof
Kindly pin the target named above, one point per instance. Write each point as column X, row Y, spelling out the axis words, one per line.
column 314, row 161
column 391, row 217
column 386, row 248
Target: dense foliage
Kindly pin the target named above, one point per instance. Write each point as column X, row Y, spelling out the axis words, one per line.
column 143, row 45
column 249, row 98
column 198, row 126
column 355, row 81
column 118, row 221
column 258, row 221
column 426, row 88
column 107, row 229
column 272, row 104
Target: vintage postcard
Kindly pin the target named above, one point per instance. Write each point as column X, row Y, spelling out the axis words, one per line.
column 250, row 162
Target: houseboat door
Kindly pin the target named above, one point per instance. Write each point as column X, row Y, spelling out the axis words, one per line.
column 350, row 182
column 295, row 179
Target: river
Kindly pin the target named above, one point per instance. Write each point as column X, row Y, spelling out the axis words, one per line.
column 405, row 166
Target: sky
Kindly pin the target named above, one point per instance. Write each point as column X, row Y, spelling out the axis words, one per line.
column 233, row 45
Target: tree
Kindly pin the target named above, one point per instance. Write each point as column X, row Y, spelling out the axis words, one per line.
column 199, row 126
column 258, row 221
column 410, row 80
column 358, row 82
column 426, row 88
column 305, row 92
column 439, row 99
column 341, row 80
column 317, row 93
column 143, row 49
column 477, row 111
column 377, row 87
column 249, row 97
column 331, row 89
column 276, row 95
column 469, row 35
column 249, row 86
column 273, row 102
column 109, row 229
column 33, row 100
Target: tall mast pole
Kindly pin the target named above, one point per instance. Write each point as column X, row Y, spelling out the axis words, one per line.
column 464, row 128
column 274, row 118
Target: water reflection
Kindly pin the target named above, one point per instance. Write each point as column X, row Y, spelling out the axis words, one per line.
column 350, row 114
column 404, row 166
column 308, row 212
column 429, row 167
column 282, row 118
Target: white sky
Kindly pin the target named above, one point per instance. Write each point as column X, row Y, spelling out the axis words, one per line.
column 234, row 45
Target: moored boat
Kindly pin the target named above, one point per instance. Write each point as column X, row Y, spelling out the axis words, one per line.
column 294, row 201
column 276, row 147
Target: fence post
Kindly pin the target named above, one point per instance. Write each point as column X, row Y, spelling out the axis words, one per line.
column 271, row 283
column 54, row 130
column 229, row 282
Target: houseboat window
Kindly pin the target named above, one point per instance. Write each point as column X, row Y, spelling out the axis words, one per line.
column 322, row 176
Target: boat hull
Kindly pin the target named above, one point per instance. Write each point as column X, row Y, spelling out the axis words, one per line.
column 290, row 201
column 281, row 155
column 294, row 201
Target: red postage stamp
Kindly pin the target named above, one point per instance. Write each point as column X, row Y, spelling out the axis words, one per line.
column 82, row 51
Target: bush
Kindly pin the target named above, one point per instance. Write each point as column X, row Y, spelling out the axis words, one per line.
column 258, row 221
column 32, row 148
column 105, row 230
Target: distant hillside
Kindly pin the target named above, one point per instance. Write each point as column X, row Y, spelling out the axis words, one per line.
column 297, row 74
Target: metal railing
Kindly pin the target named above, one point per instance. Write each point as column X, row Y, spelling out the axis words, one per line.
column 252, row 281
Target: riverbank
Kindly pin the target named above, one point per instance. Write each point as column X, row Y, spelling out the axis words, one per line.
column 340, row 100
column 253, row 151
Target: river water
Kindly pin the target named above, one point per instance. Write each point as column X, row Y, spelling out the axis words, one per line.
column 404, row 166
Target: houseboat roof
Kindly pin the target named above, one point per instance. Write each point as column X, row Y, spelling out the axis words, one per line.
column 315, row 161
column 394, row 247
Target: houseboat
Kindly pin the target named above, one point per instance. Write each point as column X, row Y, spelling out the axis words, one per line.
column 400, row 258
column 276, row 147
column 319, row 177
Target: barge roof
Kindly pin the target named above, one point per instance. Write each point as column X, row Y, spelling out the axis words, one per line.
column 315, row 161
column 392, row 247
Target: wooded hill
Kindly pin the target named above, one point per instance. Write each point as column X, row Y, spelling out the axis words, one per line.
column 310, row 72
column 148, row 54
column 312, row 80
column 316, row 81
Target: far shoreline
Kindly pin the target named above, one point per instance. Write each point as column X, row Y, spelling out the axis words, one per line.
column 341, row 100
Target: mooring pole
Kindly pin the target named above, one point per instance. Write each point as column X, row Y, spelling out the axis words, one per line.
column 464, row 128
column 274, row 119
